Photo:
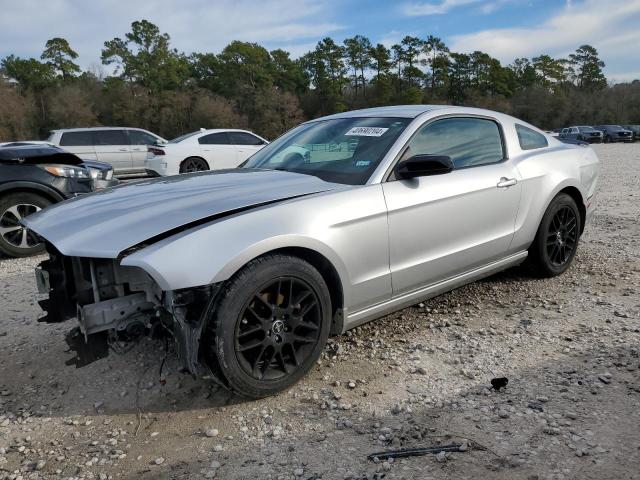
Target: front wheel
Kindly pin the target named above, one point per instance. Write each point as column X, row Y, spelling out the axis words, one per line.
column 193, row 164
column 556, row 241
column 269, row 325
column 16, row 240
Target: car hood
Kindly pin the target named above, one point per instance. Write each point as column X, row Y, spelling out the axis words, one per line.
column 105, row 223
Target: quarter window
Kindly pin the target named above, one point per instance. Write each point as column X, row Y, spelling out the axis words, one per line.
column 76, row 139
column 138, row 137
column 469, row 142
column 530, row 139
column 215, row 139
column 110, row 137
column 243, row 138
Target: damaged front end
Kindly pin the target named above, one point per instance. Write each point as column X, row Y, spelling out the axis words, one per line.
column 116, row 305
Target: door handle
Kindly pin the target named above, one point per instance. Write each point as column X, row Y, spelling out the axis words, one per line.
column 506, row 182
column 123, row 149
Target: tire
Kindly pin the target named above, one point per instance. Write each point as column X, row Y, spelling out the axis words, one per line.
column 193, row 164
column 15, row 240
column 556, row 241
column 257, row 340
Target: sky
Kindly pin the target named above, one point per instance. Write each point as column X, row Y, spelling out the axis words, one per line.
column 506, row 29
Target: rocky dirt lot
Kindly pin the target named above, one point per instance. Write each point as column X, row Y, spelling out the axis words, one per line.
column 569, row 346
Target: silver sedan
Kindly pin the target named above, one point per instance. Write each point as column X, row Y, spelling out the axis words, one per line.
column 339, row 221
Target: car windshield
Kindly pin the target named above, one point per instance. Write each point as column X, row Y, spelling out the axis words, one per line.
column 341, row 150
column 586, row 129
column 183, row 137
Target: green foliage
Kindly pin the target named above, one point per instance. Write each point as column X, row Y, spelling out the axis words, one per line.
column 59, row 55
column 30, row 73
column 154, row 86
column 587, row 68
column 145, row 58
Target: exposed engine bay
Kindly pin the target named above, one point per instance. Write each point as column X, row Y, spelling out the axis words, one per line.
column 116, row 305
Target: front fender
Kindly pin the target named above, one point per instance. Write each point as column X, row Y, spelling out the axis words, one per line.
column 353, row 239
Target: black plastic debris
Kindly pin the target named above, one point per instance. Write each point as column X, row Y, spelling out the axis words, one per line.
column 499, row 383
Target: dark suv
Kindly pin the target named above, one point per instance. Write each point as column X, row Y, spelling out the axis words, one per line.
column 584, row 133
column 33, row 177
column 635, row 129
column 615, row 133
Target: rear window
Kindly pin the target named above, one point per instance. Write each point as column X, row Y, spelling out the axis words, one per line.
column 243, row 138
column 215, row 139
column 110, row 137
column 530, row 139
column 76, row 139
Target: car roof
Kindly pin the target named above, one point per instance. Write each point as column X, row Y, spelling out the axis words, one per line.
column 219, row 130
column 89, row 129
column 401, row 111
column 414, row 111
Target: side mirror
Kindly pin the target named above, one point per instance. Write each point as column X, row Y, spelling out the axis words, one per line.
column 423, row 166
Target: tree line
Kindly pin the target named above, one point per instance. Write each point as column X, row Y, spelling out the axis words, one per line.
column 154, row 86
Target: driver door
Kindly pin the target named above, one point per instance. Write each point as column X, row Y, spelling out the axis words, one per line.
column 441, row 226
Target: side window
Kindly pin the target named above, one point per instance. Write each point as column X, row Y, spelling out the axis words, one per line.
column 243, row 138
column 76, row 139
column 530, row 139
column 110, row 137
column 137, row 137
column 215, row 139
column 469, row 142
column 574, row 130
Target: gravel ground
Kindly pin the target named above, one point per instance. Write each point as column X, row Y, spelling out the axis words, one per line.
column 570, row 347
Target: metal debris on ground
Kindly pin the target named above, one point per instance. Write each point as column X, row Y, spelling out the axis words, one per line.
column 416, row 452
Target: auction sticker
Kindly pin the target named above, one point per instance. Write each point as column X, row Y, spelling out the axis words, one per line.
column 366, row 131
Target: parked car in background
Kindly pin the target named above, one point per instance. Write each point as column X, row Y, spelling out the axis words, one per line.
column 635, row 129
column 35, row 176
column 583, row 133
column 203, row 150
column 251, row 269
column 124, row 148
column 615, row 133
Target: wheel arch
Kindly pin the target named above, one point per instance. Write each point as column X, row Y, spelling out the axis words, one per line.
column 31, row 187
column 315, row 258
column 194, row 156
column 576, row 195
column 330, row 276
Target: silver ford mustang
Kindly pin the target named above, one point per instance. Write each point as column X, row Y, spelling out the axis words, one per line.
column 339, row 221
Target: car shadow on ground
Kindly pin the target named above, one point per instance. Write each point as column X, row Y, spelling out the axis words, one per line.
column 146, row 377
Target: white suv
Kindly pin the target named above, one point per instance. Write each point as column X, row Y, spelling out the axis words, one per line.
column 124, row 148
column 203, row 150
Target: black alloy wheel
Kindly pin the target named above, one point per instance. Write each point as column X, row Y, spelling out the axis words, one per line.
column 562, row 236
column 278, row 328
column 193, row 164
column 556, row 242
column 268, row 325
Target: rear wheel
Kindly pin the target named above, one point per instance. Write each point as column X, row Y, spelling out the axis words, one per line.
column 193, row 164
column 269, row 326
column 16, row 240
column 557, row 238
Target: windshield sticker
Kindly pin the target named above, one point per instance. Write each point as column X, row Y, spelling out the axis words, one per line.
column 363, row 163
column 366, row 131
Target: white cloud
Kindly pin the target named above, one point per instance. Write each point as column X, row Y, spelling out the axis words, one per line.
column 420, row 9
column 609, row 25
column 194, row 25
